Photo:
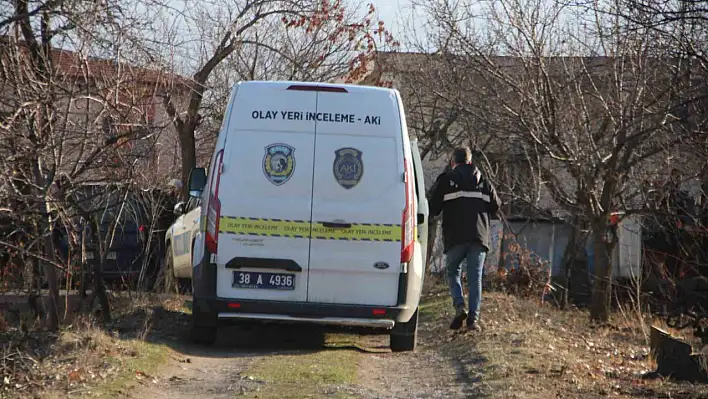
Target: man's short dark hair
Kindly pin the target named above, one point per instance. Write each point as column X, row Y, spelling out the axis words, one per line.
column 462, row 155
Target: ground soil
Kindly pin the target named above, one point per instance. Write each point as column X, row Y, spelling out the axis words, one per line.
column 230, row 370
column 527, row 349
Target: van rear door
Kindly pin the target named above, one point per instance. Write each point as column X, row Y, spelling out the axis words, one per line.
column 358, row 199
column 265, row 191
column 422, row 222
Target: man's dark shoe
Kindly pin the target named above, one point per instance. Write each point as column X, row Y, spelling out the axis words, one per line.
column 473, row 325
column 460, row 316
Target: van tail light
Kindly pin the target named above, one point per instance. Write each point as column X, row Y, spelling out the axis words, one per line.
column 408, row 224
column 214, row 206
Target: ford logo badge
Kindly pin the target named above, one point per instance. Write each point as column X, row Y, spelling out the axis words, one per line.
column 381, row 265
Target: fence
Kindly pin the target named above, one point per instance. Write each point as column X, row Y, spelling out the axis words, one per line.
column 546, row 242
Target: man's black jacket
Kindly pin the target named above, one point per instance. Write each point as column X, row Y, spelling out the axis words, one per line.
column 467, row 202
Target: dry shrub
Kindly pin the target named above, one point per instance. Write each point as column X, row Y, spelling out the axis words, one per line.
column 84, row 352
column 521, row 273
column 11, row 273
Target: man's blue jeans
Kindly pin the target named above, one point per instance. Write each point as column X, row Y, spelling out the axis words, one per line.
column 475, row 254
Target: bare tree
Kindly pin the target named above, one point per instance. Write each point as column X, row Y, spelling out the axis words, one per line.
column 68, row 117
column 682, row 24
column 433, row 86
column 264, row 39
column 593, row 108
column 8, row 17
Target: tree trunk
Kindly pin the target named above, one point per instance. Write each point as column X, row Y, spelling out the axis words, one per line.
column 50, row 273
column 99, row 286
column 603, row 244
column 99, row 292
column 576, row 245
column 84, row 267
column 189, row 156
column 563, row 280
column 102, row 295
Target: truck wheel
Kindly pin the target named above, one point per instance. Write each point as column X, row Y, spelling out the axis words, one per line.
column 404, row 336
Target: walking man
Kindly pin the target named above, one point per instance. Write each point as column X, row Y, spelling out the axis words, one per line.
column 468, row 202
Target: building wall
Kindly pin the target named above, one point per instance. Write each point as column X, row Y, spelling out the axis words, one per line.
column 410, row 74
column 543, row 244
column 82, row 125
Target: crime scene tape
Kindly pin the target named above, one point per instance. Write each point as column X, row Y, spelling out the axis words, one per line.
column 264, row 227
column 305, row 229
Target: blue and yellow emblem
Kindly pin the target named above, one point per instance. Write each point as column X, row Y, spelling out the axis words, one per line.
column 279, row 163
column 348, row 167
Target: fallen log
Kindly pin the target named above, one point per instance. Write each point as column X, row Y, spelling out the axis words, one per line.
column 676, row 359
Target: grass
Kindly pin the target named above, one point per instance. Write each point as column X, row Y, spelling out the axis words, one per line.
column 143, row 357
column 88, row 360
column 306, row 375
column 432, row 307
column 532, row 350
column 90, row 363
column 147, row 358
column 527, row 349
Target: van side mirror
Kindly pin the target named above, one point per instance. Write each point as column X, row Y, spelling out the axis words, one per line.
column 179, row 209
column 197, row 181
column 421, row 218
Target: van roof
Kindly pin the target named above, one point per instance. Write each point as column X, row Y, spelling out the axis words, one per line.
column 351, row 88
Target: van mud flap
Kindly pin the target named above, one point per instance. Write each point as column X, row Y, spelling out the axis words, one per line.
column 204, row 287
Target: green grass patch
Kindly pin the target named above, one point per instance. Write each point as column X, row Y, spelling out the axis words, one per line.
column 147, row 358
column 305, row 375
column 435, row 306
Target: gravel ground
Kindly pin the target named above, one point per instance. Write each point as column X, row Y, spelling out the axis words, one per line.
column 223, row 372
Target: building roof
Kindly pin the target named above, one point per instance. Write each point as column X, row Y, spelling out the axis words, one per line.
column 72, row 64
column 395, row 62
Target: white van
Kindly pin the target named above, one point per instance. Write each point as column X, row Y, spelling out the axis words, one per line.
column 313, row 210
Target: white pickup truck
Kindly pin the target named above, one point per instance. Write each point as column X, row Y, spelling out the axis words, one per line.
column 179, row 243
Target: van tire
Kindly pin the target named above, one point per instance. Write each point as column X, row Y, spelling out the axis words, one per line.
column 203, row 335
column 169, row 273
column 404, row 336
column 183, row 285
column 204, row 327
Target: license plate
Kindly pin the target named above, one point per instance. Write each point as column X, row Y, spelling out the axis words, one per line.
column 268, row 281
column 111, row 255
column 89, row 255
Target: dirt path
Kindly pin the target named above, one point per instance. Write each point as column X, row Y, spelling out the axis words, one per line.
column 215, row 374
column 424, row 374
column 284, row 363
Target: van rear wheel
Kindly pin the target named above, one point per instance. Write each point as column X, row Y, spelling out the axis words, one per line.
column 404, row 336
column 203, row 335
column 203, row 328
column 168, row 271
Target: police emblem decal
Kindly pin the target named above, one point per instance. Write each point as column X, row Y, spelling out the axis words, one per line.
column 279, row 163
column 348, row 167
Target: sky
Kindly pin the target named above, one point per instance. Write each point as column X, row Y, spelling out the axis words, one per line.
column 392, row 11
column 389, row 9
